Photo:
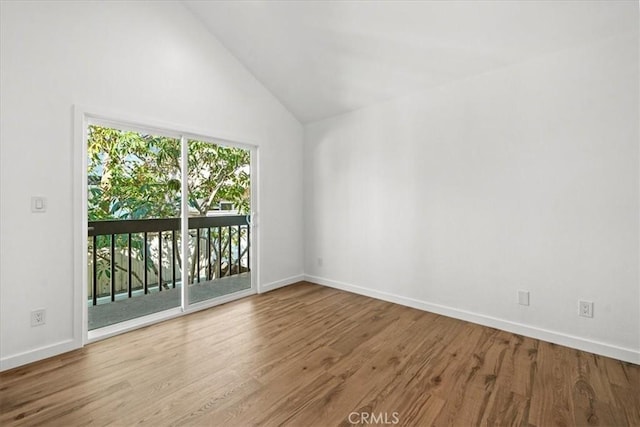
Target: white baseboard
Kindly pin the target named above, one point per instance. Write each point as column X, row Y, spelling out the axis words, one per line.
column 620, row 353
column 604, row 349
column 281, row 283
column 37, row 354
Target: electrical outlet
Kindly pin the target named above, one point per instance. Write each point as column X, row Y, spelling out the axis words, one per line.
column 523, row 297
column 38, row 317
column 586, row 309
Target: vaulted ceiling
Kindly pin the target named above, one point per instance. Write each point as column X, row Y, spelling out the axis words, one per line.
column 323, row 58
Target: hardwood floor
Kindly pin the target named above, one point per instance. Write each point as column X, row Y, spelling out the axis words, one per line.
column 308, row 355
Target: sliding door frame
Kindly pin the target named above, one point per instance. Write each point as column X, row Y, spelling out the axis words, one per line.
column 83, row 117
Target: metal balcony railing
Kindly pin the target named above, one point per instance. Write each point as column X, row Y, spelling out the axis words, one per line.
column 129, row 257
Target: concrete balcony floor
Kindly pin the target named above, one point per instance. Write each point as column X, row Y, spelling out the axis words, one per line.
column 118, row 311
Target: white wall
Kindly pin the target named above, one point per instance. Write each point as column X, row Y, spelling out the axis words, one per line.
column 453, row 199
column 449, row 200
column 144, row 59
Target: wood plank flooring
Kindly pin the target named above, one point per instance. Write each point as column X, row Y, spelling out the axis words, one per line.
column 308, row 355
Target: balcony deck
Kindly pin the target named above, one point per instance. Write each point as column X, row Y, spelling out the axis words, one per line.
column 119, row 311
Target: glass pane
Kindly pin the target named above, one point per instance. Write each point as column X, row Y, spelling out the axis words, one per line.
column 219, row 197
column 134, row 225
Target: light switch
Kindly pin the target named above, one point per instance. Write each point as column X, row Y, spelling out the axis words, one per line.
column 38, row 204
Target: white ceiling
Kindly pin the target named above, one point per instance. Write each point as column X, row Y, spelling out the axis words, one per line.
column 324, row 58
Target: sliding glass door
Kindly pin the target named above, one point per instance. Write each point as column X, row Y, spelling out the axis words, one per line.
column 141, row 201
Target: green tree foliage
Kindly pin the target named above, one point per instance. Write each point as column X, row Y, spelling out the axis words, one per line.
column 137, row 176
column 218, row 174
